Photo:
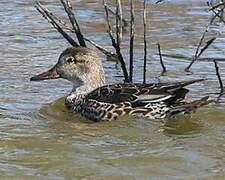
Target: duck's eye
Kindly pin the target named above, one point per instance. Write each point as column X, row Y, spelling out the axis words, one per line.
column 70, row 59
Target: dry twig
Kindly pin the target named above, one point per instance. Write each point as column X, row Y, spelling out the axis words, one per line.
column 216, row 6
column 118, row 24
column 103, row 50
column 219, row 78
column 161, row 60
column 208, row 43
column 131, row 40
column 115, row 45
column 200, row 53
column 120, row 17
column 145, row 44
column 48, row 15
column 73, row 21
column 159, row 1
column 125, row 23
column 45, row 12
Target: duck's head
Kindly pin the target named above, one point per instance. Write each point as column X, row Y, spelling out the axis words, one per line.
column 79, row 65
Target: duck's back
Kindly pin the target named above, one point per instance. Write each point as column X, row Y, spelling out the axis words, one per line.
column 138, row 94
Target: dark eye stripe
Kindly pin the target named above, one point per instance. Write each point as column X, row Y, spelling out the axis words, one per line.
column 81, row 61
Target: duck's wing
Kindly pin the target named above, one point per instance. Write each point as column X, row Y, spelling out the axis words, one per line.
column 155, row 101
column 141, row 94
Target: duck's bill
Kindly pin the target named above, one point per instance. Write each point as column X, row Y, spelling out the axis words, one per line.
column 51, row 74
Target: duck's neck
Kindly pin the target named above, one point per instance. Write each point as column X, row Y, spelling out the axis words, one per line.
column 80, row 90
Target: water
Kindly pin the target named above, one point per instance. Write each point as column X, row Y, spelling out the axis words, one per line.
column 40, row 140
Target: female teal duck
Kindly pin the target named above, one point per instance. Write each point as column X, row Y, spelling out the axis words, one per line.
column 99, row 102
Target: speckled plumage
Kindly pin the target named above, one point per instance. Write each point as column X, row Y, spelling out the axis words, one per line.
column 99, row 102
column 154, row 101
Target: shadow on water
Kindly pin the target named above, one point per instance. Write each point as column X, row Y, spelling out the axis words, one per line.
column 57, row 113
column 183, row 126
column 183, row 57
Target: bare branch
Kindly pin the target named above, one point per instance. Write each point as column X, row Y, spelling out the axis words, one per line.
column 73, row 21
column 216, row 6
column 206, row 46
column 118, row 37
column 161, row 60
column 197, row 55
column 48, row 15
column 196, row 52
column 125, row 23
column 115, row 45
column 218, row 12
column 109, row 54
column 219, row 77
column 208, row 43
column 120, row 17
column 159, row 1
column 145, row 44
column 131, row 40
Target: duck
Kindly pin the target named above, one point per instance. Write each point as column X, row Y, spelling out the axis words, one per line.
column 96, row 101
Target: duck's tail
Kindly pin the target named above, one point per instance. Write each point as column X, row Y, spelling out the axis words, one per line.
column 187, row 108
